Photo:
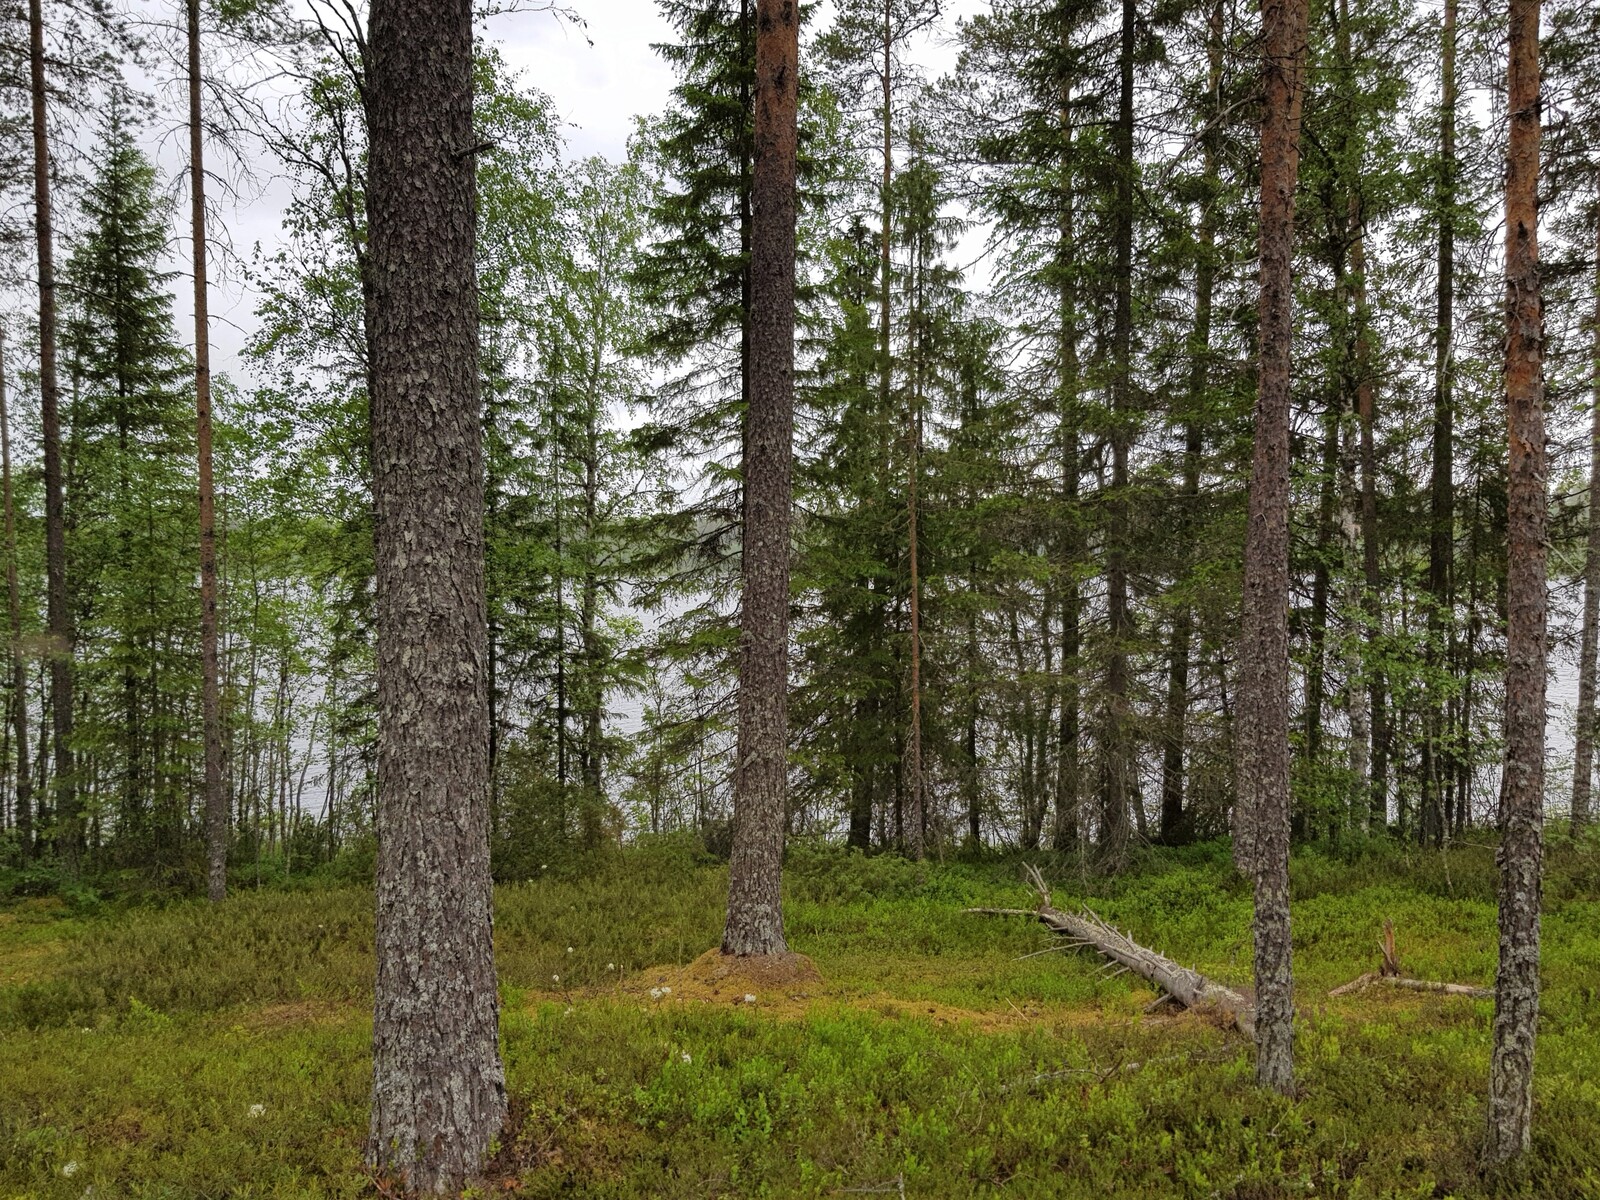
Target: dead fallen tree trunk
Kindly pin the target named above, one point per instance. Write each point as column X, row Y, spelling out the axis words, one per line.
column 1189, row 988
column 1415, row 985
column 1388, row 974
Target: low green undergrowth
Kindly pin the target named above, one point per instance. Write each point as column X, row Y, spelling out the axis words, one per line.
column 184, row 1051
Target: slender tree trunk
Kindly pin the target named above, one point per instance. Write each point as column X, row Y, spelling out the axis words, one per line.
column 971, row 771
column 1175, row 827
column 1516, row 999
column 1366, row 415
column 58, row 617
column 1583, row 755
column 1327, row 493
column 755, row 917
column 916, row 818
column 216, row 800
column 19, row 677
column 593, row 651
column 438, row 1089
column 1437, row 768
column 1353, row 642
column 1117, row 742
column 1355, row 398
column 1066, row 832
column 1264, row 649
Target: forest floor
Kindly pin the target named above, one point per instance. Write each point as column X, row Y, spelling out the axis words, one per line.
column 172, row 1050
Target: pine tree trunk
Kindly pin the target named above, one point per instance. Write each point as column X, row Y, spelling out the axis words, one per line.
column 1327, row 492
column 1516, row 999
column 1175, row 827
column 1437, row 768
column 19, row 678
column 916, row 817
column 215, row 799
column 755, row 917
column 1117, row 748
column 1377, row 695
column 438, row 1090
column 1583, row 753
column 1066, row 831
column 1264, row 649
column 1367, row 712
column 58, row 618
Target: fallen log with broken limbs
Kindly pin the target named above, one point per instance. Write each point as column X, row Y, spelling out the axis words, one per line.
column 1389, row 974
column 1185, row 986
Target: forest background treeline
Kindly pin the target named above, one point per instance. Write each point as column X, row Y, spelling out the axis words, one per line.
column 1026, row 373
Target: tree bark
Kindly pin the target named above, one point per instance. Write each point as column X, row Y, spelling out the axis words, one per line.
column 755, row 916
column 19, row 678
column 438, row 1089
column 1175, row 826
column 1516, row 1003
column 1583, row 753
column 1437, row 768
column 1065, row 834
column 916, row 817
column 1264, row 649
column 58, row 616
column 215, row 799
column 1116, row 744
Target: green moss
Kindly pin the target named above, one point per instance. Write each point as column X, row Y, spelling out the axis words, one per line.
column 185, row 1051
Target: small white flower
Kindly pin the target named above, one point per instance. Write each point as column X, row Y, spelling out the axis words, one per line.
column 86, row 1029
column 685, row 1057
column 749, row 999
column 666, row 991
column 258, row 1110
column 70, row 1168
column 655, row 993
column 555, row 979
column 541, row 866
column 611, row 966
column 569, row 949
column 568, row 1013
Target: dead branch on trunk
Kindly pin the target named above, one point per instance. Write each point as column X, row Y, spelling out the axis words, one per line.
column 1189, row 988
column 1388, row 973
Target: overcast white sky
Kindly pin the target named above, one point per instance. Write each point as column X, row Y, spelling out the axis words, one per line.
column 598, row 88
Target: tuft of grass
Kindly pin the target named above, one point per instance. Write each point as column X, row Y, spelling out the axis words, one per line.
column 188, row 1051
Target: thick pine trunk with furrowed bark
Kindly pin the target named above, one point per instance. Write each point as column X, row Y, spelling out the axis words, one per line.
column 755, row 916
column 1516, row 1001
column 438, row 1089
column 1264, row 648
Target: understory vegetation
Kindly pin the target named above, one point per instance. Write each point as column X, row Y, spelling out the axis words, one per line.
column 170, row 1049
